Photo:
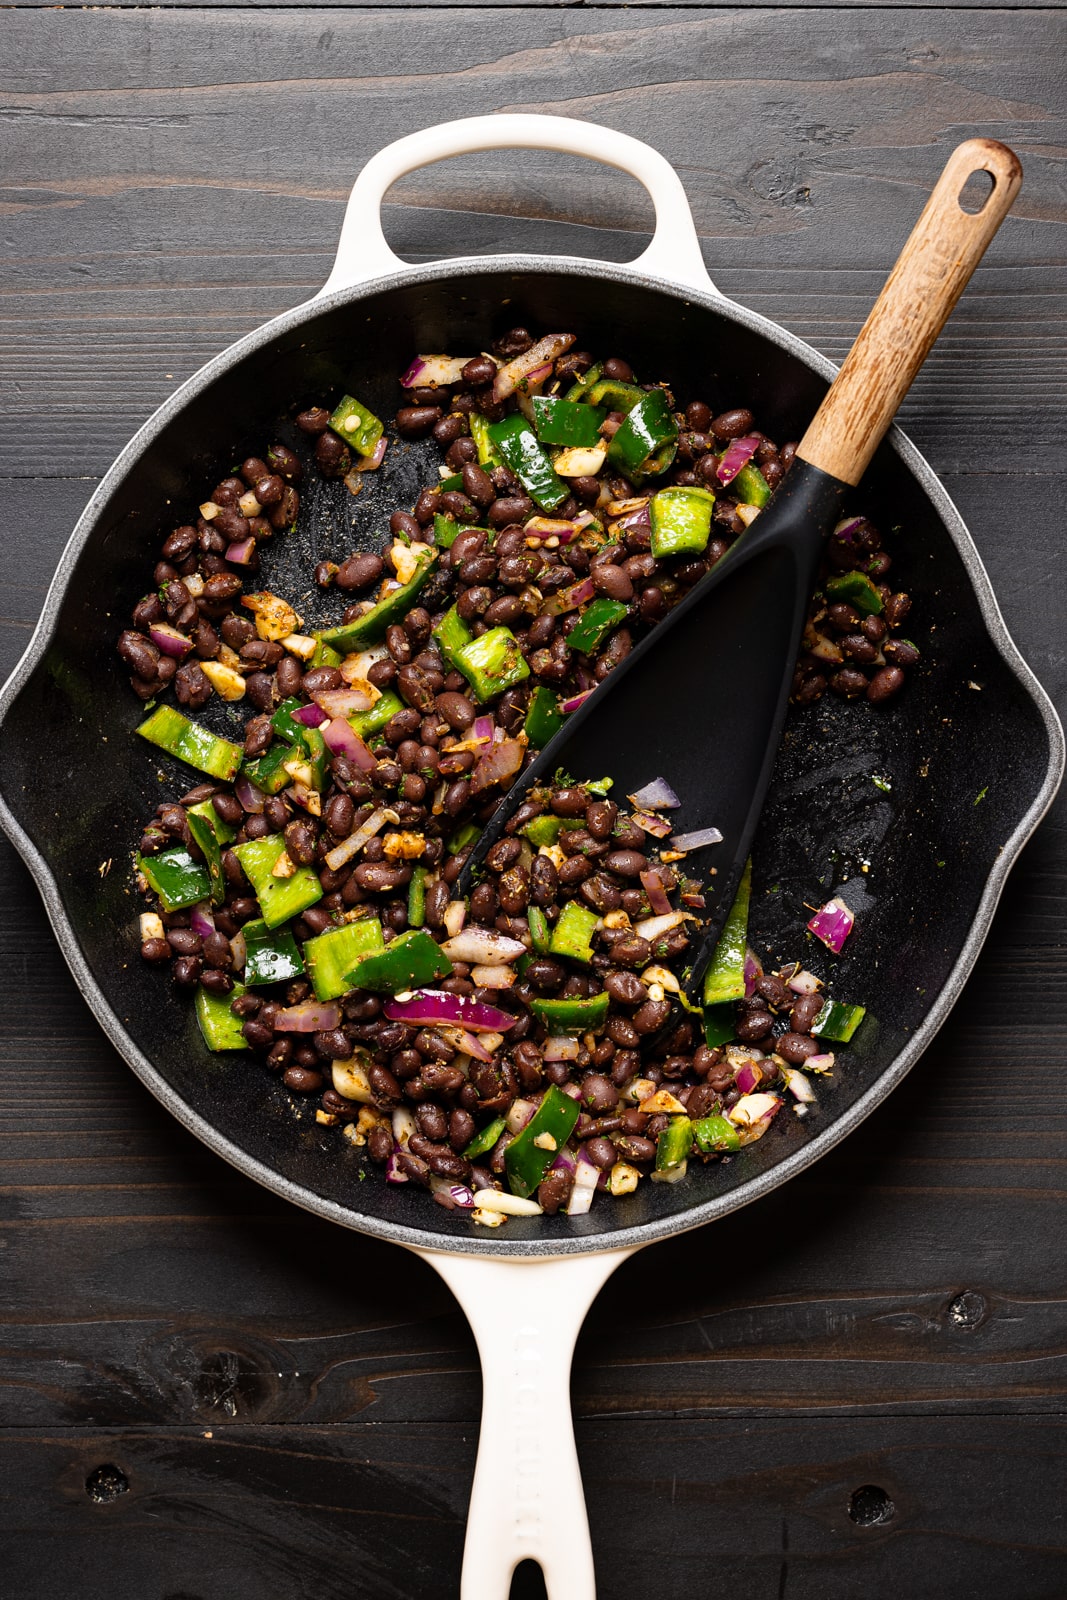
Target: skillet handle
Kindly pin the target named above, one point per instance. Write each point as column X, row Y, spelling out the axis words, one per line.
column 362, row 252
column 527, row 1500
column 932, row 272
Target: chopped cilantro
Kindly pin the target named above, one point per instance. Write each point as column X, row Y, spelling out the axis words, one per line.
column 980, row 796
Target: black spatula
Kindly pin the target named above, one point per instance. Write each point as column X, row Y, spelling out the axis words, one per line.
column 701, row 700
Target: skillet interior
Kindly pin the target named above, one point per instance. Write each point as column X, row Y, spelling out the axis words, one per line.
column 969, row 767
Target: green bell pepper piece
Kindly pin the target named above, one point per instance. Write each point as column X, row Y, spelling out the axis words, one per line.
column 519, row 449
column 573, row 1016
column 283, row 724
column 720, row 1024
column 178, row 880
column 492, row 663
column 566, row 422
column 838, row 1021
column 546, row 829
column 279, row 898
column 204, row 834
column 579, row 390
column 752, row 487
column 540, row 932
column 464, row 835
column 371, row 626
column 197, row 746
column 445, row 531
column 220, row 1028
column 594, row 625
column 317, row 755
column 485, row 1139
column 223, row 831
column 681, row 521
column 330, row 955
column 525, row 1161
column 453, row 635
column 453, row 481
column 271, row 955
column 412, row 960
column 725, row 977
column 714, row 1134
column 417, row 898
column 488, row 455
column 572, row 936
column 325, row 656
column 356, row 425
column 268, row 772
column 543, row 717
column 368, row 723
column 855, row 588
column 674, row 1144
column 612, row 393
column 646, row 443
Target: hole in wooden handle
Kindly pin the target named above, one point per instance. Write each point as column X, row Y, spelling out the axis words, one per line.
column 977, row 192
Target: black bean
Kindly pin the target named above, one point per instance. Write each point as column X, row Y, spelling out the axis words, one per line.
column 359, row 571
column 885, row 684
column 796, row 1047
column 732, row 424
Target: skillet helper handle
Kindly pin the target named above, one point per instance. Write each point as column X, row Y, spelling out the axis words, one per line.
column 674, row 253
column 932, row 272
column 527, row 1501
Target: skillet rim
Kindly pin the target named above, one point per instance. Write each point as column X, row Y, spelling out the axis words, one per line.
column 843, row 1124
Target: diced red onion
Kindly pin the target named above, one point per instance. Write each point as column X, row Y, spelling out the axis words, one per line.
column 437, row 1005
column 455, row 916
column 561, row 1047
column 519, row 1114
column 804, row 983
column 404, row 1125
column 434, row 372
column 483, row 728
column 201, row 920
column 639, row 521
column 658, row 827
column 552, row 528
column 823, row 1062
column 169, row 640
column 575, row 701
column 748, row 1077
column 586, row 1177
column 832, row 923
column 697, row 901
column 239, row 951
column 514, row 372
column 653, row 928
column 310, row 716
column 753, row 971
column 455, row 1196
column 697, row 839
column 738, row 454
column 465, row 1041
column 847, row 527
column 335, row 859
column 308, row 799
column 565, row 1161
column 483, row 947
column 569, row 599
column 342, row 702
column 657, row 895
column 500, row 762
column 250, row 797
column 240, row 552
column 343, row 740
column 798, row 1085
column 311, row 1016
column 394, row 1172
column 372, row 462
column 493, row 977
column 655, row 796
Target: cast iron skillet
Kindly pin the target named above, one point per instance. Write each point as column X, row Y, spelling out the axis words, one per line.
column 937, row 860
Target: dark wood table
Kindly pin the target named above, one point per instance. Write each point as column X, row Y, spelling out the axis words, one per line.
column 856, row 1387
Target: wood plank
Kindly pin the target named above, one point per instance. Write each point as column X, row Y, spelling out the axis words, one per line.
column 169, row 226
column 937, row 1507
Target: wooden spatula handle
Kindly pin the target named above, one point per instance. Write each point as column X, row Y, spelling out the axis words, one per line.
column 945, row 246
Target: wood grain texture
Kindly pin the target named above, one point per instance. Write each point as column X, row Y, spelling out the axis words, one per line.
column 291, row 1408
column 173, row 178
